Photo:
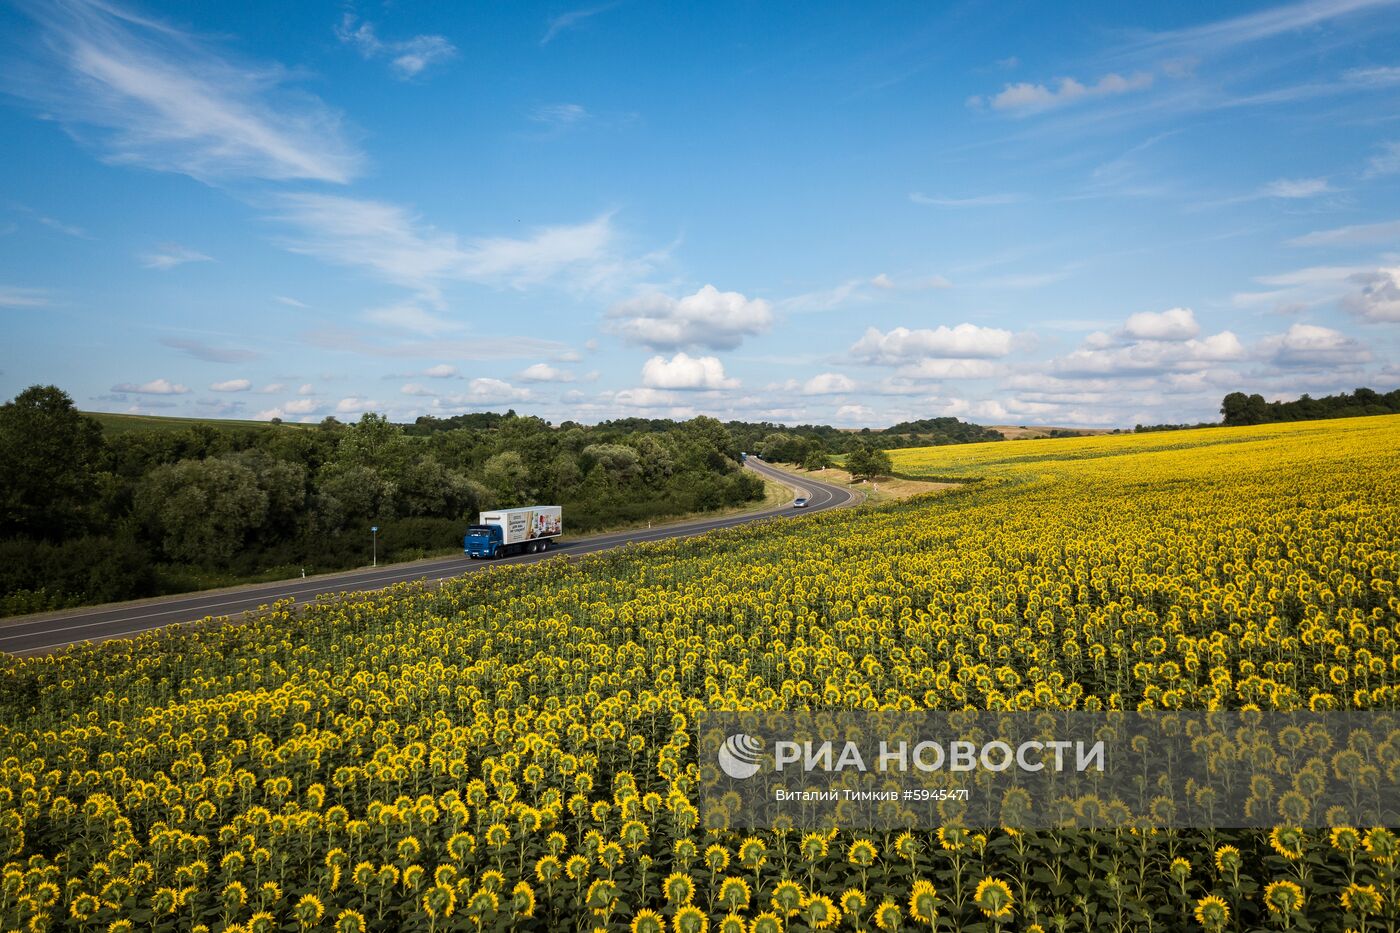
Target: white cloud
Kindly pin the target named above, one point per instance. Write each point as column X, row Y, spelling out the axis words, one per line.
column 160, row 98
column 882, row 281
column 858, row 415
column 949, row 369
column 211, row 354
column 396, row 246
column 440, row 371
column 1387, row 231
column 406, row 316
column 1025, row 97
column 1386, row 162
column 902, row 345
column 1172, row 324
column 306, row 389
column 685, row 372
column 407, row 57
column 981, row 200
column 272, row 388
column 543, row 372
column 709, row 318
column 301, row 406
column 354, row 405
column 486, row 390
column 1308, row 345
column 1098, row 358
column 154, row 387
column 570, row 19
column 1296, row 188
column 1378, row 299
column 170, row 255
column 231, row 385
column 414, row 388
column 828, row 384
column 559, row 116
column 12, row 297
column 290, row 302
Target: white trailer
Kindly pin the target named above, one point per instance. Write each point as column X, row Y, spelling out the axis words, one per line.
column 513, row 531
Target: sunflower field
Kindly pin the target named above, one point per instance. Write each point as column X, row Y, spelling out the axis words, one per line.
column 515, row 749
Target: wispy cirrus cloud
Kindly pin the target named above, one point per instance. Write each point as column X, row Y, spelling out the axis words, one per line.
column 981, row 200
column 147, row 93
column 395, row 245
column 572, row 18
column 1226, row 34
column 559, row 116
column 15, row 297
column 210, row 354
column 408, row 58
column 170, row 255
column 1385, row 232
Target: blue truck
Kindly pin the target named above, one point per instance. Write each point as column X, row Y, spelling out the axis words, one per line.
column 504, row 532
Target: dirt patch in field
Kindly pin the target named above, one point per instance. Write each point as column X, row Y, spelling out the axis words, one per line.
column 885, row 489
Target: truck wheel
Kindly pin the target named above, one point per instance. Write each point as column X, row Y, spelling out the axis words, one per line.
column 544, row 545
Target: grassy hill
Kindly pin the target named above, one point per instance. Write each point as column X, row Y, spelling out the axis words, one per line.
column 115, row 423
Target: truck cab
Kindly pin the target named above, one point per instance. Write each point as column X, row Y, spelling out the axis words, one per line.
column 483, row 541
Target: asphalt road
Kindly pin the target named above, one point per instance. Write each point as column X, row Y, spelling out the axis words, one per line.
column 55, row 630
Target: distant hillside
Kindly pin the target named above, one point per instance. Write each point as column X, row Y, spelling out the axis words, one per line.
column 1017, row 432
column 114, row 423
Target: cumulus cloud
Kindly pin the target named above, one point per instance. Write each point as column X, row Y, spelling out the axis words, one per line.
column 902, row 345
column 486, row 390
column 1311, row 346
column 543, row 372
column 152, row 95
column 828, row 384
column 1378, row 298
column 709, row 318
column 407, row 57
column 859, row 415
column 949, row 369
column 231, row 385
column 1025, row 97
column 440, row 371
column 1172, row 324
column 154, row 387
column 1101, row 355
column 685, row 372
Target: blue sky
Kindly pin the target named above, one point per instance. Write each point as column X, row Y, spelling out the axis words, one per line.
column 1087, row 214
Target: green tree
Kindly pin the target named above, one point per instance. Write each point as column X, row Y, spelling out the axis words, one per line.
column 507, row 477
column 201, row 511
column 816, row 459
column 622, row 463
column 49, row 453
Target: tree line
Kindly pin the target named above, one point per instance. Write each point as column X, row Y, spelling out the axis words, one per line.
column 92, row 516
column 1238, row 408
